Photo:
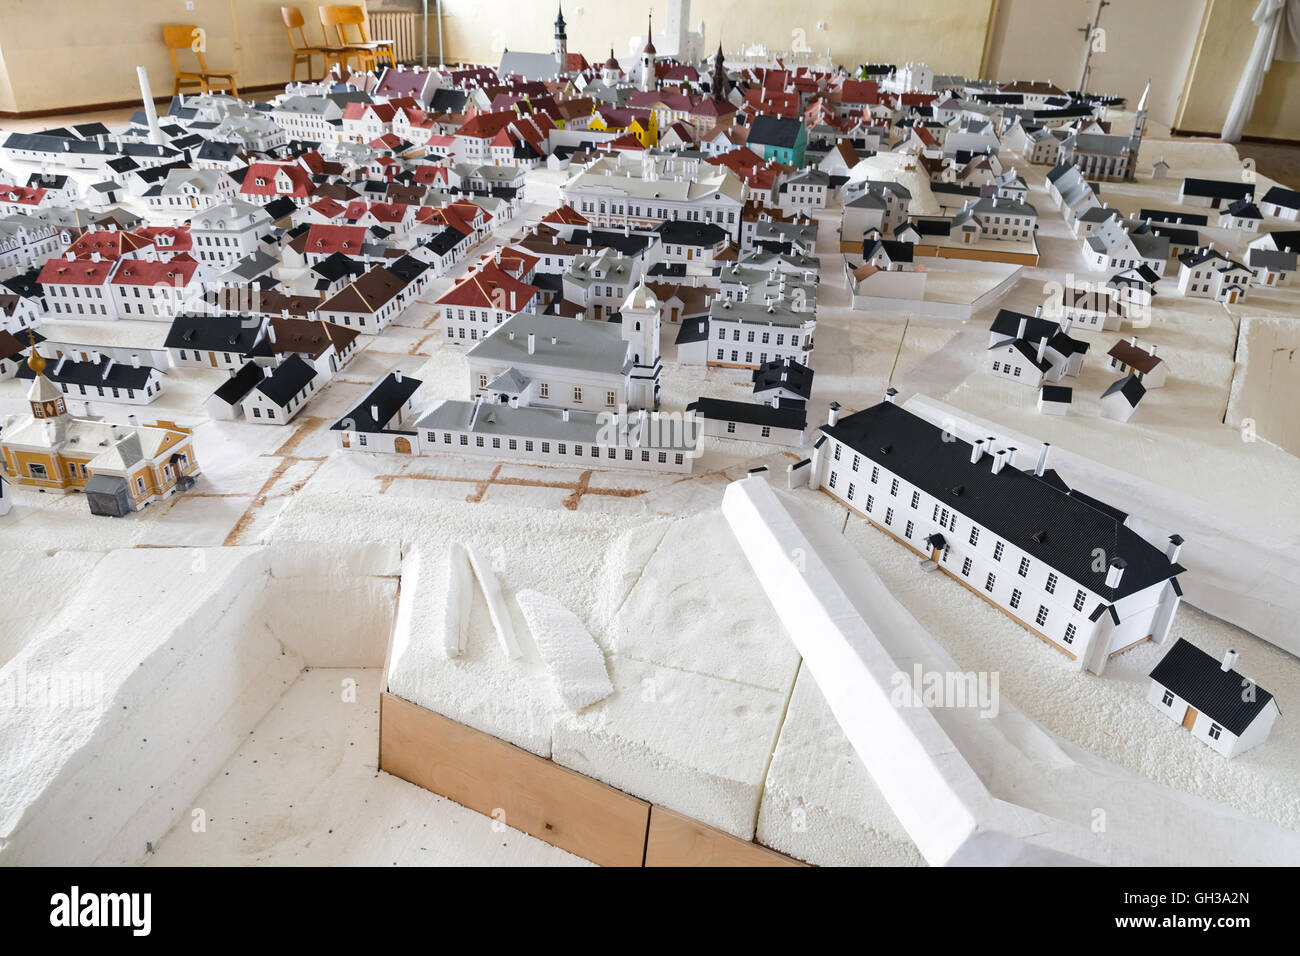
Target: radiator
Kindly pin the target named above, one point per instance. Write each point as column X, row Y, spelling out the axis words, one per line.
column 400, row 26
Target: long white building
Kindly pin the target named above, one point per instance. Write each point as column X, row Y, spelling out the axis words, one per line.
column 642, row 192
column 1066, row 567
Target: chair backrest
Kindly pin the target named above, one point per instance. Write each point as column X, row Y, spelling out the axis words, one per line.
column 293, row 20
column 183, row 36
column 329, row 25
column 351, row 16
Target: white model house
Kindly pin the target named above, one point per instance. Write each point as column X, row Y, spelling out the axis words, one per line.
column 103, row 379
column 1032, row 350
column 1208, row 274
column 282, row 393
column 1019, row 539
column 1055, row 399
column 1122, row 398
column 1222, row 709
column 1129, row 358
column 227, row 233
column 1281, row 203
column 752, row 333
column 781, row 423
column 553, row 360
column 384, row 419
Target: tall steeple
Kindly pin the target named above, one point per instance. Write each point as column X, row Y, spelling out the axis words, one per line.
column 648, row 58
column 718, row 81
column 561, row 44
column 1139, row 126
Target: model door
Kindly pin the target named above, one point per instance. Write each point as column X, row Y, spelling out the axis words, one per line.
column 1189, row 718
column 212, row 357
column 402, row 446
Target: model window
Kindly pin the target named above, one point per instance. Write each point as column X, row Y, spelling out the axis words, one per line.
column 37, row 471
column 916, row 499
column 1070, row 631
column 1078, row 600
column 907, row 532
column 544, row 390
column 1015, row 597
column 1023, row 570
column 1051, row 583
column 663, row 457
column 837, row 452
column 998, row 548
column 889, row 516
column 464, row 439
column 965, row 567
column 1215, row 731
column 974, row 535
column 478, row 441
column 893, row 487
column 731, row 428
column 831, row 483
column 988, row 582
column 871, row 502
column 1041, row 616
column 875, row 474
column 857, row 460
column 766, row 431
column 577, row 393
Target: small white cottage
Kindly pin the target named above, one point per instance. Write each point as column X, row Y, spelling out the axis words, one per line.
column 1227, row 712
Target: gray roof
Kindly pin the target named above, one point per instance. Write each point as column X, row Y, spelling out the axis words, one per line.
column 529, row 421
column 560, row 342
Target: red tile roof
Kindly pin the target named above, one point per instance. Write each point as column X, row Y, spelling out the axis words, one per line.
column 60, row 271
column 325, row 239
column 180, row 268
column 489, row 287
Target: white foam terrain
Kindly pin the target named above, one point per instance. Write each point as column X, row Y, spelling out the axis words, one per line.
column 573, row 659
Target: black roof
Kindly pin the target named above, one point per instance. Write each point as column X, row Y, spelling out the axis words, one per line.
column 235, row 388
column 407, row 268
column 389, row 394
column 212, row 333
column 1057, row 393
column 1166, row 215
column 789, row 415
column 106, row 373
column 784, row 373
column 692, row 330
column 1290, row 198
column 1129, row 386
column 1037, row 515
column 443, row 241
column 684, row 233
column 288, row 379
column 775, row 131
column 1217, row 188
column 1199, row 679
column 280, row 207
column 896, row 251
column 336, row 265
column 629, row 245
column 1286, row 240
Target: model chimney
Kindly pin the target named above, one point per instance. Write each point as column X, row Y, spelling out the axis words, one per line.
column 532, row 342
column 999, row 459
column 1229, row 661
column 890, row 394
column 1115, row 572
column 374, row 414
column 1042, row 347
column 977, row 451
column 397, row 375
column 1043, row 452
column 833, row 414
column 1175, row 547
column 1020, row 329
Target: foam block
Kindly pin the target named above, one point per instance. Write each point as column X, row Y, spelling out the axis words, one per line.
column 459, row 599
column 496, row 603
column 573, row 659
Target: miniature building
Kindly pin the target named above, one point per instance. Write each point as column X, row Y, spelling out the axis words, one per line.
column 1221, row 708
column 1121, row 399
column 1022, row 540
column 1130, row 358
column 1055, row 399
column 120, row 468
column 781, row 423
column 384, row 418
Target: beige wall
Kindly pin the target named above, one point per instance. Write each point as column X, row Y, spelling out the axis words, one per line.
column 948, row 35
column 61, row 53
column 1144, row 39
column 97, row 42
column 1225, row 44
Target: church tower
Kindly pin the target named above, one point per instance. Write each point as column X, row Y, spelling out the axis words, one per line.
column 1135, row 137
column 561, row 45
column 648, row 59
column 611, row 72
column 718, row 81
column 45, row 399
column 640, row 315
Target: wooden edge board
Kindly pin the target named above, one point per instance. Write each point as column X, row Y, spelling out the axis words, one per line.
column 679, row 840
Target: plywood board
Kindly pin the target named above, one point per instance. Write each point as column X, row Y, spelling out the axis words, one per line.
column 677, row 840
column 527, row 792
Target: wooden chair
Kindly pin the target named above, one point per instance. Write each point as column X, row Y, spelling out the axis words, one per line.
column 302, row 50
column 182, row 36
column 368, row 52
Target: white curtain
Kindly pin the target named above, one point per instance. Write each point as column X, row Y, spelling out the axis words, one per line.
column 1278, row 38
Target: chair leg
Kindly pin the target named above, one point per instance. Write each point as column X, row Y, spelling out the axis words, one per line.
column 293, row 69
column 176, row 86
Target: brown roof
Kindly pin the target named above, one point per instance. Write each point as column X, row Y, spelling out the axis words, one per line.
column 1134, row 356
column 365, row 295
column 306, row 337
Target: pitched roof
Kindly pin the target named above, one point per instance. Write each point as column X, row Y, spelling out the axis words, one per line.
column 1200, row 680
column 1042, row 517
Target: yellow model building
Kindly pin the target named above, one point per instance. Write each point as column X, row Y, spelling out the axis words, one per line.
column 120, row 468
